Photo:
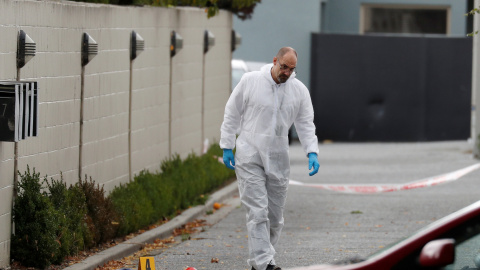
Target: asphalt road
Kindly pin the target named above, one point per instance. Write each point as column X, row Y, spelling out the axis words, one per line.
column 324, row 226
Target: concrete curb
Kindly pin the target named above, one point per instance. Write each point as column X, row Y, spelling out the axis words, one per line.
column 133, row 245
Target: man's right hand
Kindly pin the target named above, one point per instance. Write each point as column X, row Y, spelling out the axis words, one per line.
column 228, row 158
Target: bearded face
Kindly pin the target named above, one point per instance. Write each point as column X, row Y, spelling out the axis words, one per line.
column 283, row 67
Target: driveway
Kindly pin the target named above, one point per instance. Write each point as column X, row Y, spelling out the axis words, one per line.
column 324, row 226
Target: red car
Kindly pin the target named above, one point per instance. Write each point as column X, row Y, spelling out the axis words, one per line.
column 450, row 243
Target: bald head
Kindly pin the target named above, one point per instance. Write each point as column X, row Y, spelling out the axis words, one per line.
column 286, row 50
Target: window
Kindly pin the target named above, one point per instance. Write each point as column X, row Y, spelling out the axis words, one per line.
column 467, row 248
column 404, row 19
column 466, row 255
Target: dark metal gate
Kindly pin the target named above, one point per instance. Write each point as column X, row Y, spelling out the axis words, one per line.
column 391, row 88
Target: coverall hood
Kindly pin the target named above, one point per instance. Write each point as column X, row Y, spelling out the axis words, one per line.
column 266, row 70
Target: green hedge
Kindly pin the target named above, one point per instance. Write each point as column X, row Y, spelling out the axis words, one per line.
column 181, row 184
column 37, row 224
column 73, row 234
column 53, row 221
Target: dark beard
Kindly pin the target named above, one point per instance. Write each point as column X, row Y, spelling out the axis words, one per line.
column 282, row 79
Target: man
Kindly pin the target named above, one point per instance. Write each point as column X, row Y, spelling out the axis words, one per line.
column 262, row 107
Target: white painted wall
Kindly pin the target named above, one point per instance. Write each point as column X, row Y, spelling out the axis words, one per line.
column 57, row 28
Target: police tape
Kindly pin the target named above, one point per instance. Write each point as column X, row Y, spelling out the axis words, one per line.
column 381, row 188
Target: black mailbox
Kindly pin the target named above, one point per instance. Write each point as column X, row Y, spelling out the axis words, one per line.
column 18, row 110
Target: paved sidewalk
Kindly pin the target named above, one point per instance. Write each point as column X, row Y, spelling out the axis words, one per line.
column 131, row 246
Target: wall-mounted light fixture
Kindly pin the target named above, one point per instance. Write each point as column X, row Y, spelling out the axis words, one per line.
column 236, row 40
column 208, row 41
column 89, row 48
column 26, row 48
column 137, row 45
column 176, row 43
column 88, row 51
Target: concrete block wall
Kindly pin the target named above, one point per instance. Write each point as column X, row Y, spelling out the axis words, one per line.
column 216, row 77
column 107, row 80
column 150, row 103
column 57, row 28
column 187, row 84
column 7, row 58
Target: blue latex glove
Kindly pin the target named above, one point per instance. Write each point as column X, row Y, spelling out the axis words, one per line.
column 312, row 162
column 228, row 158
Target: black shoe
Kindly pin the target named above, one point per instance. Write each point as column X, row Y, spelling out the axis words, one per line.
column 270, row 267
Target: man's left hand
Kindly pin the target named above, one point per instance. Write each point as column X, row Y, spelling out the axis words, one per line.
column 313, row 163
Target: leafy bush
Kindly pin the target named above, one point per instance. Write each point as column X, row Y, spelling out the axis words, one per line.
column 51, row 225
column 473, row 12
column 134, row 208
column 101, row 212
column 35, row 240
column 180, row 184
column 71, row 204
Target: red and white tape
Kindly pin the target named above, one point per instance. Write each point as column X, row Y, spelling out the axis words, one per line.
column 380, row 188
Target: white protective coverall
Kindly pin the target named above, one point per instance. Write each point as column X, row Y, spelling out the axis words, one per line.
column 262, row 112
